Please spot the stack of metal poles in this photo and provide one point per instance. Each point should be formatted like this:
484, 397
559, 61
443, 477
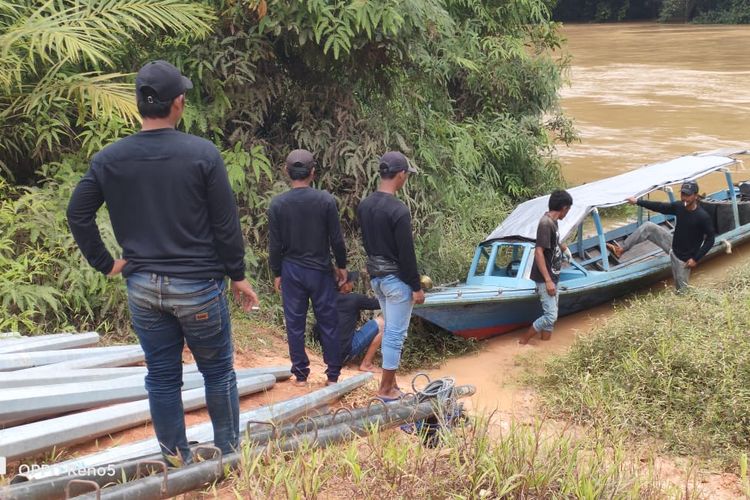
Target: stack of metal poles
438, 400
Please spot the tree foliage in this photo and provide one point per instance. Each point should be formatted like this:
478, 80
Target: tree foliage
44, 285
466, 88
63, 69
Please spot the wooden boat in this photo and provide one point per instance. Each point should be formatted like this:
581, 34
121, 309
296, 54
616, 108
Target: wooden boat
498, 296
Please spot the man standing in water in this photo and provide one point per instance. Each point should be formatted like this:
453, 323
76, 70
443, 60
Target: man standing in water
385, 222
174, 214
693, 233
548, 255
303, 224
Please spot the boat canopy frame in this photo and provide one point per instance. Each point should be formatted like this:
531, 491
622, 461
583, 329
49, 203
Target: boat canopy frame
522, 222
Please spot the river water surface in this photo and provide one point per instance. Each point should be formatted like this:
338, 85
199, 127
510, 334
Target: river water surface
641, 93
638, 94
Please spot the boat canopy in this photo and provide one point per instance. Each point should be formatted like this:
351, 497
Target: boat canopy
522, 222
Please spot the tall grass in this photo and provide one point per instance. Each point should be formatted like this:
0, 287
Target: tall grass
475, 461
671, 367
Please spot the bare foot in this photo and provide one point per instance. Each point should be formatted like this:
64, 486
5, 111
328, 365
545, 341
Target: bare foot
369, 368
300, 383
331, 382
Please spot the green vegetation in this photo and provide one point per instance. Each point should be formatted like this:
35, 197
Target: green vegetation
44, 286
62, 72
666, 367
466, 89
475, 461
699, 11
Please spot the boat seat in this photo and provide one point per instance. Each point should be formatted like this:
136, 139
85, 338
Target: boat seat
641, 250
590, 260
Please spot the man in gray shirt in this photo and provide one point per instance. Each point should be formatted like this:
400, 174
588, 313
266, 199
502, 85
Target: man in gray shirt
548, 255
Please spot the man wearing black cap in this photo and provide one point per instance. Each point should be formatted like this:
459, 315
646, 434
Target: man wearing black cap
303, 225
174, 215
385, 223
693, 233
356, 342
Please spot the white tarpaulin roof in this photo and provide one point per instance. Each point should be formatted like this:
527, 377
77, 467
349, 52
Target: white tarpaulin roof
522, 222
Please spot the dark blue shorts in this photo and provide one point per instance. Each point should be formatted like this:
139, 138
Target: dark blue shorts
362, 339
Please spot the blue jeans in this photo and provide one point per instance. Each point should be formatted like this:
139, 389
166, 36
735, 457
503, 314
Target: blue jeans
167, 312
362, 339
546, 322
299, 286
396, 303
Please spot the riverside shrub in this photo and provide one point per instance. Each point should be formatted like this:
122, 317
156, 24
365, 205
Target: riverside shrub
668, 367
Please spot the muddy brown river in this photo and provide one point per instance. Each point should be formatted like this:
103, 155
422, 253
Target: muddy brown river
638, 93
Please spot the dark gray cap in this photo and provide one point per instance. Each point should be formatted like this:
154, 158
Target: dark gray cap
393, 162
161, 79
300, 158
689, 187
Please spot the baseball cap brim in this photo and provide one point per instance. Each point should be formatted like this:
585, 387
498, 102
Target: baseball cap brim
186, 82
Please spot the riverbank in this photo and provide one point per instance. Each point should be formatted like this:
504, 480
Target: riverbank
513, 447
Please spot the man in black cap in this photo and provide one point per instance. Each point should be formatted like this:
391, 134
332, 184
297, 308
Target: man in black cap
693, 233
385, 222
174, 215
303, 225
357, 341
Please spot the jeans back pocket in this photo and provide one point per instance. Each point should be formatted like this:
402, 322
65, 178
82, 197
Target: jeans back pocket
201, 321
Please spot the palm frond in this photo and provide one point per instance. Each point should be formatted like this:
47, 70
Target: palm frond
8, 8
53, 33
11, 71
78, 30
97, 94
175, 16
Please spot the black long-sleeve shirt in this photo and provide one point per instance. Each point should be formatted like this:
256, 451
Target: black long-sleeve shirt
303, 223
385, 223
693, 233
348, 306
170, 203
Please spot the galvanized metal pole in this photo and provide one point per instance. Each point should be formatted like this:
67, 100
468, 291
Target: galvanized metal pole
28, 404
27, 440
34, 403
130, 356
48, 342
194, 476
202, 433
19, 378
20, 360
382, 415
